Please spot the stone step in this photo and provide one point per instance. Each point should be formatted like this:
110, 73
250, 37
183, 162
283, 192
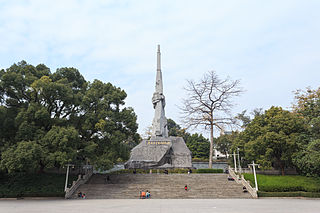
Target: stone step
162, 186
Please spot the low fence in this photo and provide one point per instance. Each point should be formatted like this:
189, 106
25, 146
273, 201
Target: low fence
81, 180
244, 182
288, 171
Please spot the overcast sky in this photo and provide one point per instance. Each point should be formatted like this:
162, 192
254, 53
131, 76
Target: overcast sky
273, 47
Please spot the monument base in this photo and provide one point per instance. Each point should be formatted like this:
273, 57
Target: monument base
160, 152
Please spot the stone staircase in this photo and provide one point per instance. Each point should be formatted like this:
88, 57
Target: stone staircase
161, 186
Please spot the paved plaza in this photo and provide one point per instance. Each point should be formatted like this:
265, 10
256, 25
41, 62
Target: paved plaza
162, 206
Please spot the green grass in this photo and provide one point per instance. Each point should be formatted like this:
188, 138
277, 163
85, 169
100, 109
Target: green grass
286, 186
33, 185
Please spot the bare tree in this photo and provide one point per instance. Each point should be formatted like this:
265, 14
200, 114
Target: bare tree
208, 104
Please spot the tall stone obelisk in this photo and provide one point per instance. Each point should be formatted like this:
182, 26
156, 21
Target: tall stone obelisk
159, 124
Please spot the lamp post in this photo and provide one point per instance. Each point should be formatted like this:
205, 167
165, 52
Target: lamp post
235, 161
254, 174
67, 176
239, 162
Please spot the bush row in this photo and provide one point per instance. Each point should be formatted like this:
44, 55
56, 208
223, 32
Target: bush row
288, 194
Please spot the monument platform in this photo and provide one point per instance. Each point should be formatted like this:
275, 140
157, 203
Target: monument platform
160, 152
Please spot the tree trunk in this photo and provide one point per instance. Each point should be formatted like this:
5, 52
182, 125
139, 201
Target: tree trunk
282, 169
41, 169
211, 146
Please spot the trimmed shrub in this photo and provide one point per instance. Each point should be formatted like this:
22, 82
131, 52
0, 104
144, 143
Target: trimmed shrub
209, 171
288, 194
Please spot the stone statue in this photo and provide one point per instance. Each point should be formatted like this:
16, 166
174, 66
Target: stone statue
159, 124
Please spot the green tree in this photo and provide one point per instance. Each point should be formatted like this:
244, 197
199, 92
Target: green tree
62, 118
173, 128
307, 106
199, 146
271, 138
23, 156
225, 142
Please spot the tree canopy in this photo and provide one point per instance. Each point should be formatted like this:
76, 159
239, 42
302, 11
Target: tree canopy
307, 106
50, 119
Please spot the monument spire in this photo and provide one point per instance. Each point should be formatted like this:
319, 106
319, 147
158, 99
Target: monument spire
159, 85
159, 124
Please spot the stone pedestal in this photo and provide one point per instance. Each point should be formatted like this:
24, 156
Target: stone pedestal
160, 152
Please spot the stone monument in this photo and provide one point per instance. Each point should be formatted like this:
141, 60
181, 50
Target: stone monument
160, 151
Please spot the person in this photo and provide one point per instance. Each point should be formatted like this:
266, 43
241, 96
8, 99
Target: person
107, 179
148, 194
186, 187
134, 171
244, 189
189, 171
230, 178
166, 171
80, 195
142, 195
83, 196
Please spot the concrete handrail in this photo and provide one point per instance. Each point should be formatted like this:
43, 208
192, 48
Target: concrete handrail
244, 182
234, 175
251, 190
78, 182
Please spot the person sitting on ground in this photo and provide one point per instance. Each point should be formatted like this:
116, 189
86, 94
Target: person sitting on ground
148, 194
83, 196
142, 195
230, 178
244, 189
80, 195
186, 187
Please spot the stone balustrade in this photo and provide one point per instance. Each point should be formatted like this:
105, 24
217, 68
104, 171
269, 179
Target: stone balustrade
76, 184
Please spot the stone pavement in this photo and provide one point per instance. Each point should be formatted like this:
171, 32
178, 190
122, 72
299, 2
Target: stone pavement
162, 186
161, 206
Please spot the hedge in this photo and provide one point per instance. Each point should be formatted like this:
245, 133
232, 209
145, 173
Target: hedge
288, 194
209, 171
33, 185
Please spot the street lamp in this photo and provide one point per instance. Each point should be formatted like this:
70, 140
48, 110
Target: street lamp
67, 175
239, 161
235, 161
